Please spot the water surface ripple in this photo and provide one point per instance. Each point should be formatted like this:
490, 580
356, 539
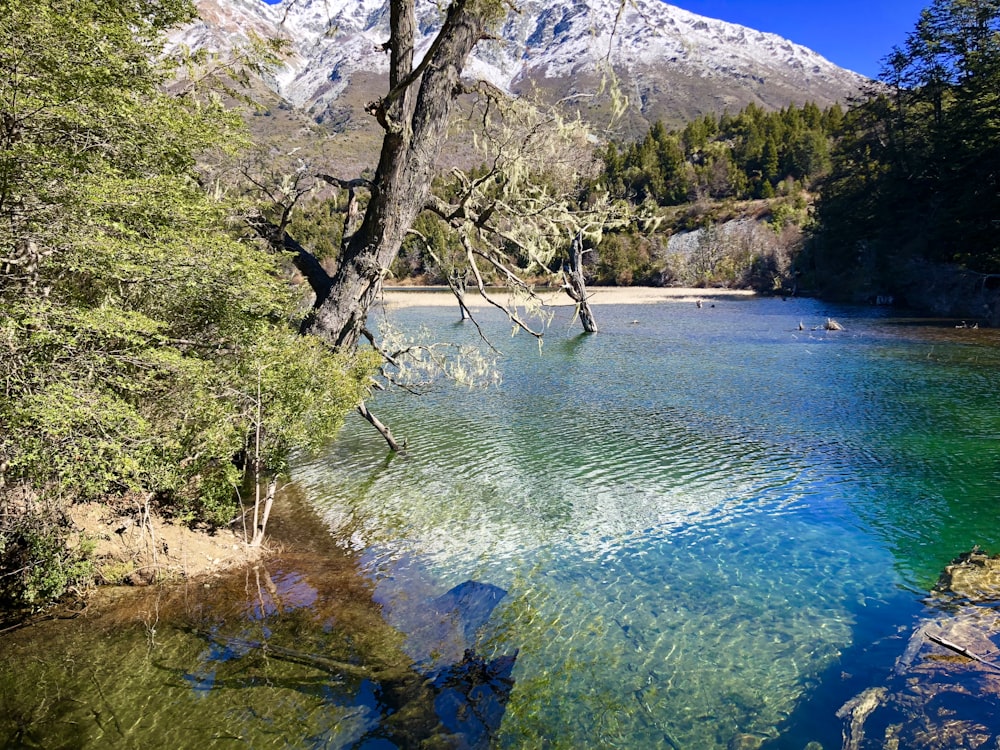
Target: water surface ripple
712, 526
696, 512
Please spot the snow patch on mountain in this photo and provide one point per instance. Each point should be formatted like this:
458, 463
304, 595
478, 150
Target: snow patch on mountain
330, 40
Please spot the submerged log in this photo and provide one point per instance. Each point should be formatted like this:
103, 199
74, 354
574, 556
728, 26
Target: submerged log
944, 692
455, 703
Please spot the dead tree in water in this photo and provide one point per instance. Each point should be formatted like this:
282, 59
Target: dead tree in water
575, 286
511, 216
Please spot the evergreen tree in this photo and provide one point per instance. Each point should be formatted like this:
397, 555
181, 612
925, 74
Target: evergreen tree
724, 157
917, 173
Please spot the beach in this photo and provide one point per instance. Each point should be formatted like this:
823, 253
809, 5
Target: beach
397, 297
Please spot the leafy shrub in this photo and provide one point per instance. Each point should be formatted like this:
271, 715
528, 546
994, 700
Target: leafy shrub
37, 563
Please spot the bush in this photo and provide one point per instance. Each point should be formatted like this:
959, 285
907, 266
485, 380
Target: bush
39, 565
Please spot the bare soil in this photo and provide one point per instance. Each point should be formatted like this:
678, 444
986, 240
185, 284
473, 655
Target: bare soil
131, 548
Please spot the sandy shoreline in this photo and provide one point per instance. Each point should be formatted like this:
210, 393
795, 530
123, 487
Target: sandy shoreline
606, 295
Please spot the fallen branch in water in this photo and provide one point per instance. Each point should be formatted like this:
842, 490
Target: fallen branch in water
333, 667
962, 650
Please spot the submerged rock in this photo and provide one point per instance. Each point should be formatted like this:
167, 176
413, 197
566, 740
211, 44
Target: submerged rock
944, 691
745, 742
470, 698
974, 576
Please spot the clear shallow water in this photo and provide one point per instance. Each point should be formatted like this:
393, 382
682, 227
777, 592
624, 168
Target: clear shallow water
698, 514
713, 529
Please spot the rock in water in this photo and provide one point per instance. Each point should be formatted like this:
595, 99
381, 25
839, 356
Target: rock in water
944, 692
973, 575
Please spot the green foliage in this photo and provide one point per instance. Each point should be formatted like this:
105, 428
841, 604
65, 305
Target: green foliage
142, 342
431, 252
627, 258
297, 392
37, 563
743, 156
915, 171
319, 226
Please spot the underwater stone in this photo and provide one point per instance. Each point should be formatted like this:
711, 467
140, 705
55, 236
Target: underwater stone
973, 575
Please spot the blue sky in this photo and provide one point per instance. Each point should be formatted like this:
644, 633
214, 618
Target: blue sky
854, 34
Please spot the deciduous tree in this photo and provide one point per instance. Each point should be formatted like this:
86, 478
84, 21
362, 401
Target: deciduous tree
133, 323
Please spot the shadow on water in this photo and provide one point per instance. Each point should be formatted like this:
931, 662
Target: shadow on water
867, 662
294, 651
572, 344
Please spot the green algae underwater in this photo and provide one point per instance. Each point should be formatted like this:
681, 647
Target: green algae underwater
701, 528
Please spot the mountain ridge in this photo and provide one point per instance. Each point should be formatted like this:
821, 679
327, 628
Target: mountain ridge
672, 64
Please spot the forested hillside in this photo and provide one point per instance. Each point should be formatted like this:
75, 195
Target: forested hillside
906, 176
752, 154
720, 202
916, 169
840, 201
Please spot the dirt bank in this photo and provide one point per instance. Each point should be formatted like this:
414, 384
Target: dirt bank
131, 548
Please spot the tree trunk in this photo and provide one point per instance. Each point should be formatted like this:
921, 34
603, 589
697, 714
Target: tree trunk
261, 525
458, 286
576, 287
415, 134
384, 431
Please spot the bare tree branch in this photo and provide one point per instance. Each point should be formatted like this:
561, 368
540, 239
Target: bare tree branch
507, 309
384, 431
575, 286
390, 358
306, 263
460, 296
354, 184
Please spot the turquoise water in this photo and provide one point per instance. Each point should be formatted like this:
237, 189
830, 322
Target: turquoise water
712, 529
712, 526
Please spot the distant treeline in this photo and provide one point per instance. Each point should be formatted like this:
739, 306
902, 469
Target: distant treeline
907, 174
916, 168
753, 154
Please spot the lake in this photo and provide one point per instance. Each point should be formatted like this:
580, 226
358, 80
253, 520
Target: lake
700, 528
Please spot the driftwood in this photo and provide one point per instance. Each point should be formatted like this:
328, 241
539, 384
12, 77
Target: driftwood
333, 667
961, 650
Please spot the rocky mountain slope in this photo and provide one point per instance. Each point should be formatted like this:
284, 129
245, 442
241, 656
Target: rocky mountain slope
672, 64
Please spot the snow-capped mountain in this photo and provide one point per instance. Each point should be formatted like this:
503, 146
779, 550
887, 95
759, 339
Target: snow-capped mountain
672, 64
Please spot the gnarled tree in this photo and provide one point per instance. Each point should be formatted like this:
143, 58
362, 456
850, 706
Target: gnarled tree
415, 115
520, 213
